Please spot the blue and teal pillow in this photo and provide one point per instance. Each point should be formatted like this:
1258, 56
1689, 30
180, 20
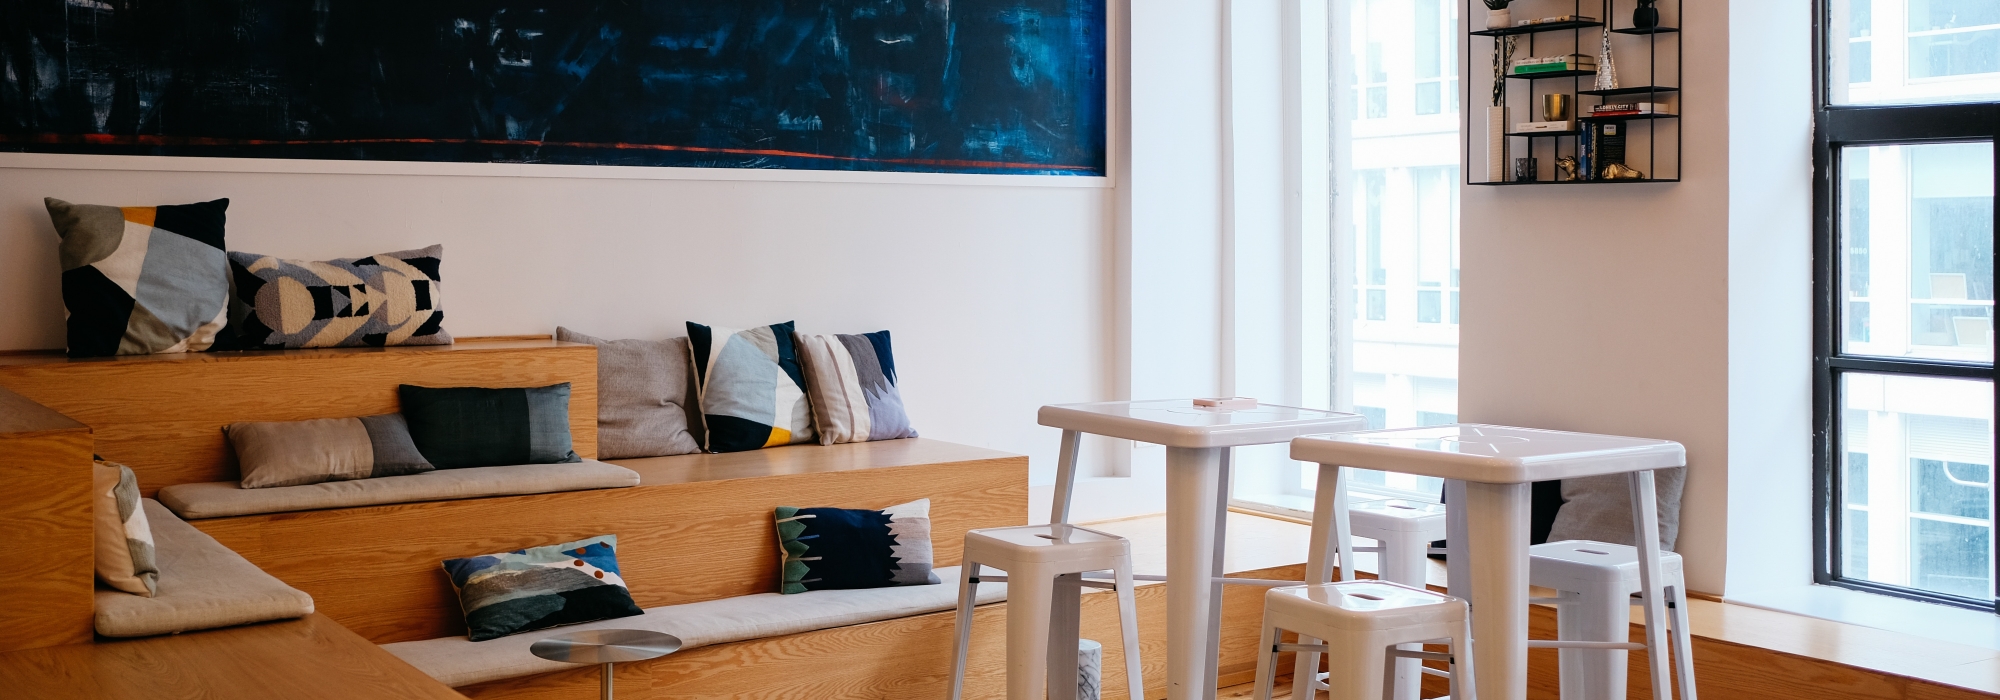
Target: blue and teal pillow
752, 389
541, 587
822, 549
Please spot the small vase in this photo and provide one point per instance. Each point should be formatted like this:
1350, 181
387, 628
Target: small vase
1499, 19
1647, 16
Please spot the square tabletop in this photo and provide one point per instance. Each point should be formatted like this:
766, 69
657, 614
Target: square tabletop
1493, 454
1180, 423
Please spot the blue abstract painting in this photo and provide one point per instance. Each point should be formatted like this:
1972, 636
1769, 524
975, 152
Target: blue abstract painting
952, 86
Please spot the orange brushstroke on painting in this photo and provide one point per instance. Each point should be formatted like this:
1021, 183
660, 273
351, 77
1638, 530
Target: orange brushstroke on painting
157, 140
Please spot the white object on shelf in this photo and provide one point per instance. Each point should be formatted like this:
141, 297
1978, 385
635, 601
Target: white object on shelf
1532, 127
1234, 403
1496, 144
1499, 19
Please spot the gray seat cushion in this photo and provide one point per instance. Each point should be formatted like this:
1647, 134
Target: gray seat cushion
224, 498
457, 662
203, 585
1599, 508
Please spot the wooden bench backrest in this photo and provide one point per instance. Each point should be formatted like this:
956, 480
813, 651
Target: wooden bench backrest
163, 414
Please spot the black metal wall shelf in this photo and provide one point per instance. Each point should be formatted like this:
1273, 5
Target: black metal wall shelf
1625, 118
1650, 56
1638, 181
1537, 28
1641, 90
1552, 74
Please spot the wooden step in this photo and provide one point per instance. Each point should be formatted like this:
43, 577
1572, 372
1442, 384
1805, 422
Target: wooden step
46, 515
163, 414
311, 658
697, 528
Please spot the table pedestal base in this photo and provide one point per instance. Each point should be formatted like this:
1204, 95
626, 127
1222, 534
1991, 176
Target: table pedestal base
1195, 500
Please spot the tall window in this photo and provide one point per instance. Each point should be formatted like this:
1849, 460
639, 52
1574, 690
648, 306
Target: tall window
1390, 235
1905, 220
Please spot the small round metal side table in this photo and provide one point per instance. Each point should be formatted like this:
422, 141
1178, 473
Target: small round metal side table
606, 647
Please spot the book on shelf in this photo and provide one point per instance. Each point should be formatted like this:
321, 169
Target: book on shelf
1534, 127
1534, 68
1554, 20
1629, 109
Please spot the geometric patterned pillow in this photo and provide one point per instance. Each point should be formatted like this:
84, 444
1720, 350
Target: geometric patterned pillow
822, 549
387, 299
541, 587
753, 392
851, 380
124, 539
142, 280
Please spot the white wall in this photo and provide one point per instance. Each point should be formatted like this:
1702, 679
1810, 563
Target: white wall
996, 295
1678, 311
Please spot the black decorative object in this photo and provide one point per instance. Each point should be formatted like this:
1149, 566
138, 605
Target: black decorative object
1646, 16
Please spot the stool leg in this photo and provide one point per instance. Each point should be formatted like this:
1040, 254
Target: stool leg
1402, 561
1267, 660
1683, 639
1359, 667
1065, 477
1331, 538
1214, 636
1603, 615
1461, 663
1065, 630
968, 595
1128, 627
1646, 526
1029, 595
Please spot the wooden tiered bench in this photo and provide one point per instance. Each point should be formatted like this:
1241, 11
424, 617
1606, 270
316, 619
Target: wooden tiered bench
696, 528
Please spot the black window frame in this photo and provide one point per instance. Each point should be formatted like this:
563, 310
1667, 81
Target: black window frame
1836, 127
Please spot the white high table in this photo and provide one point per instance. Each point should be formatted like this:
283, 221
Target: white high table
1489, 471
1198, 441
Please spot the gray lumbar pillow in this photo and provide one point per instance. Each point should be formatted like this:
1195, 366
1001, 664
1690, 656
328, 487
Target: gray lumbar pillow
641, 386
1599, 508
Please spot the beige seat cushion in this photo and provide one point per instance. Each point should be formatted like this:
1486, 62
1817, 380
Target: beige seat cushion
225, 498
457, 662
203, 585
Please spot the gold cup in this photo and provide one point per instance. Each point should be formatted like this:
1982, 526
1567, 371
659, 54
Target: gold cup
1555, 107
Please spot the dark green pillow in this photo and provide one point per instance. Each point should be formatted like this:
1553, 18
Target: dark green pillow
463, 427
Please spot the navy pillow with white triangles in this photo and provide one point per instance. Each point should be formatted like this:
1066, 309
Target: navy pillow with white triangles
825, 549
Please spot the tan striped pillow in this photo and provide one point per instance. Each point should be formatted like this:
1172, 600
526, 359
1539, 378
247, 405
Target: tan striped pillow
124, 539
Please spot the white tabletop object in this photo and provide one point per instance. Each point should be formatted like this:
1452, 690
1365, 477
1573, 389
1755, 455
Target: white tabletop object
1490, 454
1198, 441
1180, 423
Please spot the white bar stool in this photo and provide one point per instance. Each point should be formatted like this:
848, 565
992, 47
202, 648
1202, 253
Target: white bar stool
1033, 557
1489, 472
1596, 581
1404, 531
1199, 440
1361, 623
